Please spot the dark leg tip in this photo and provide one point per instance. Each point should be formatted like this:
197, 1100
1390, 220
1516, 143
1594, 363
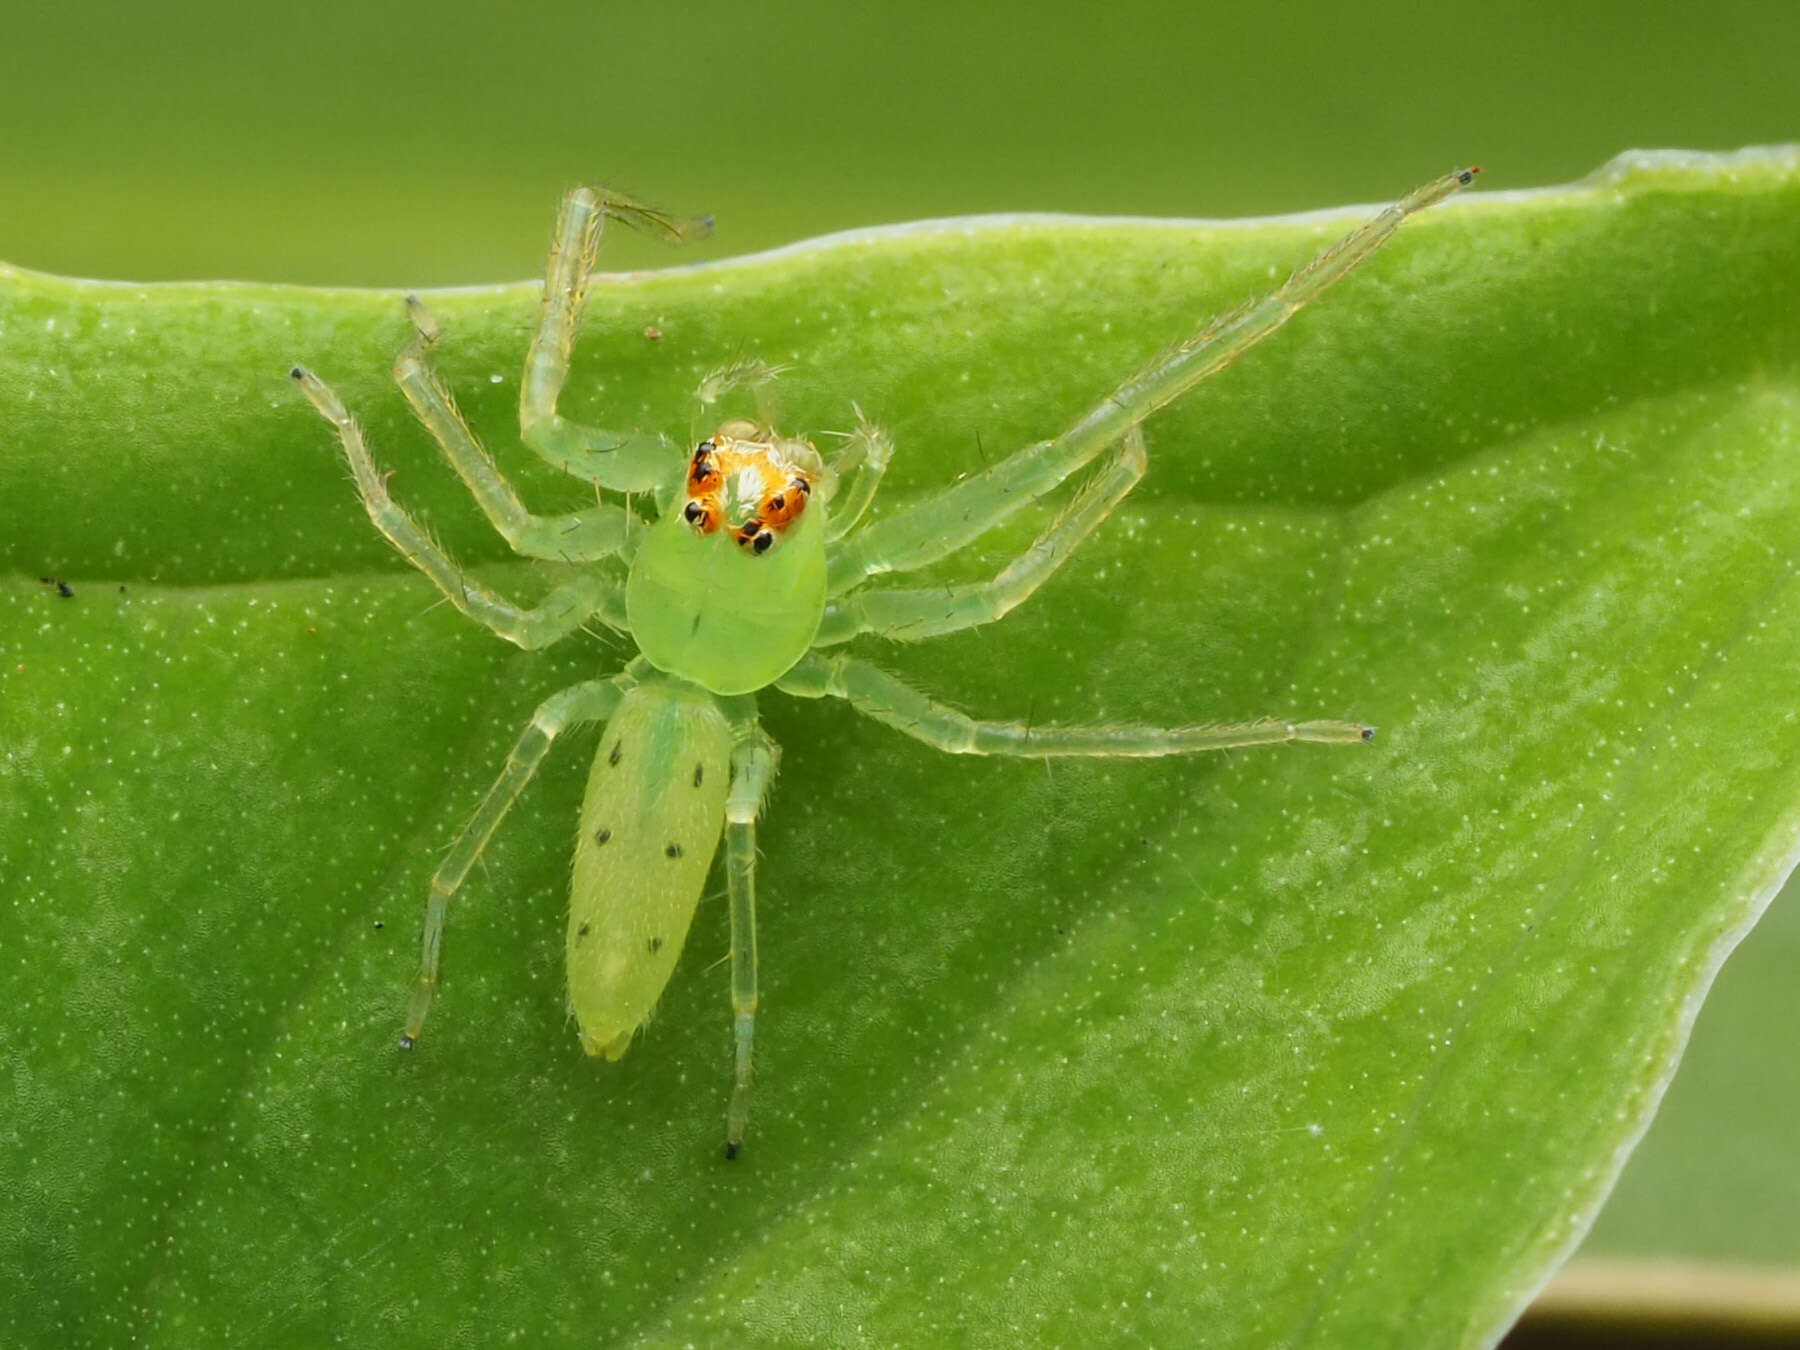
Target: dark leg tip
406, 1041
1368, 734
731, 1148
297, 373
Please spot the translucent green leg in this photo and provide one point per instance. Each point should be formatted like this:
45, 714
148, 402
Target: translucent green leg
941, 524
911, 615
865, 459
753, 757
589, 702
557, 615
626, 461
580, 536
875, 693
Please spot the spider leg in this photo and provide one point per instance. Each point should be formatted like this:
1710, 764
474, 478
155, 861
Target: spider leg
865, 457
580, 536
875, 693
557, 615
592, 701
625, 461
912, 615
944, 522
753, 757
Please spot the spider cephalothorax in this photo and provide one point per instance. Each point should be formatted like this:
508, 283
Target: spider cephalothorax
745, 473
759, 578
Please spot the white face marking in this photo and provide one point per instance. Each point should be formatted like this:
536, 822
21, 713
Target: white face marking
746, 488
752, 471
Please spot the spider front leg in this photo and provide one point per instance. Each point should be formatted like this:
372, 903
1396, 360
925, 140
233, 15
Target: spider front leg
943, 523
753, 757
557, 615
864, 459
875, 693
913, 615
592, 701
625, 461
580, 536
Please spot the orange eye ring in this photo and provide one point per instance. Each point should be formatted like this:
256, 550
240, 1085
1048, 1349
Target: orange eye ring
783, 508
703, 514
704, 476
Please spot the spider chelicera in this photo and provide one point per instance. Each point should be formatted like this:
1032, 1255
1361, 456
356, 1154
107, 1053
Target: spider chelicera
752, 576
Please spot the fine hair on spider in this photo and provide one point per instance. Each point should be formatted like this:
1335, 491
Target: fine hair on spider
755, 575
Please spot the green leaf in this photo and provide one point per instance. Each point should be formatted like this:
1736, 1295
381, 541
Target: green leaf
1300, 1047
1716, 1181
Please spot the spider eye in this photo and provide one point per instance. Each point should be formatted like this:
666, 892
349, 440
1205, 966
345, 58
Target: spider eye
693, 513
762, 542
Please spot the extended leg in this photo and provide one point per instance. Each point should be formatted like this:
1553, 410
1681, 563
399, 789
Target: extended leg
752, 766
911, 615
557, 615
580, 536
589, 702
627, 461
941, 524
875, 693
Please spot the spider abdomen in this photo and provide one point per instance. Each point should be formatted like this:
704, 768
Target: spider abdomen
650, 824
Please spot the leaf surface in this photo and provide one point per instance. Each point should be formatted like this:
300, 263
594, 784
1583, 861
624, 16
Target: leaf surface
1299, 1047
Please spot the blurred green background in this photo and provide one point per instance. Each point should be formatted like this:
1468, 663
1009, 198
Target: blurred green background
339, 143
357, 144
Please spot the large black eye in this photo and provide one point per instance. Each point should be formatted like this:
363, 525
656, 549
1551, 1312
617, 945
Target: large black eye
693, 513
762, 542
